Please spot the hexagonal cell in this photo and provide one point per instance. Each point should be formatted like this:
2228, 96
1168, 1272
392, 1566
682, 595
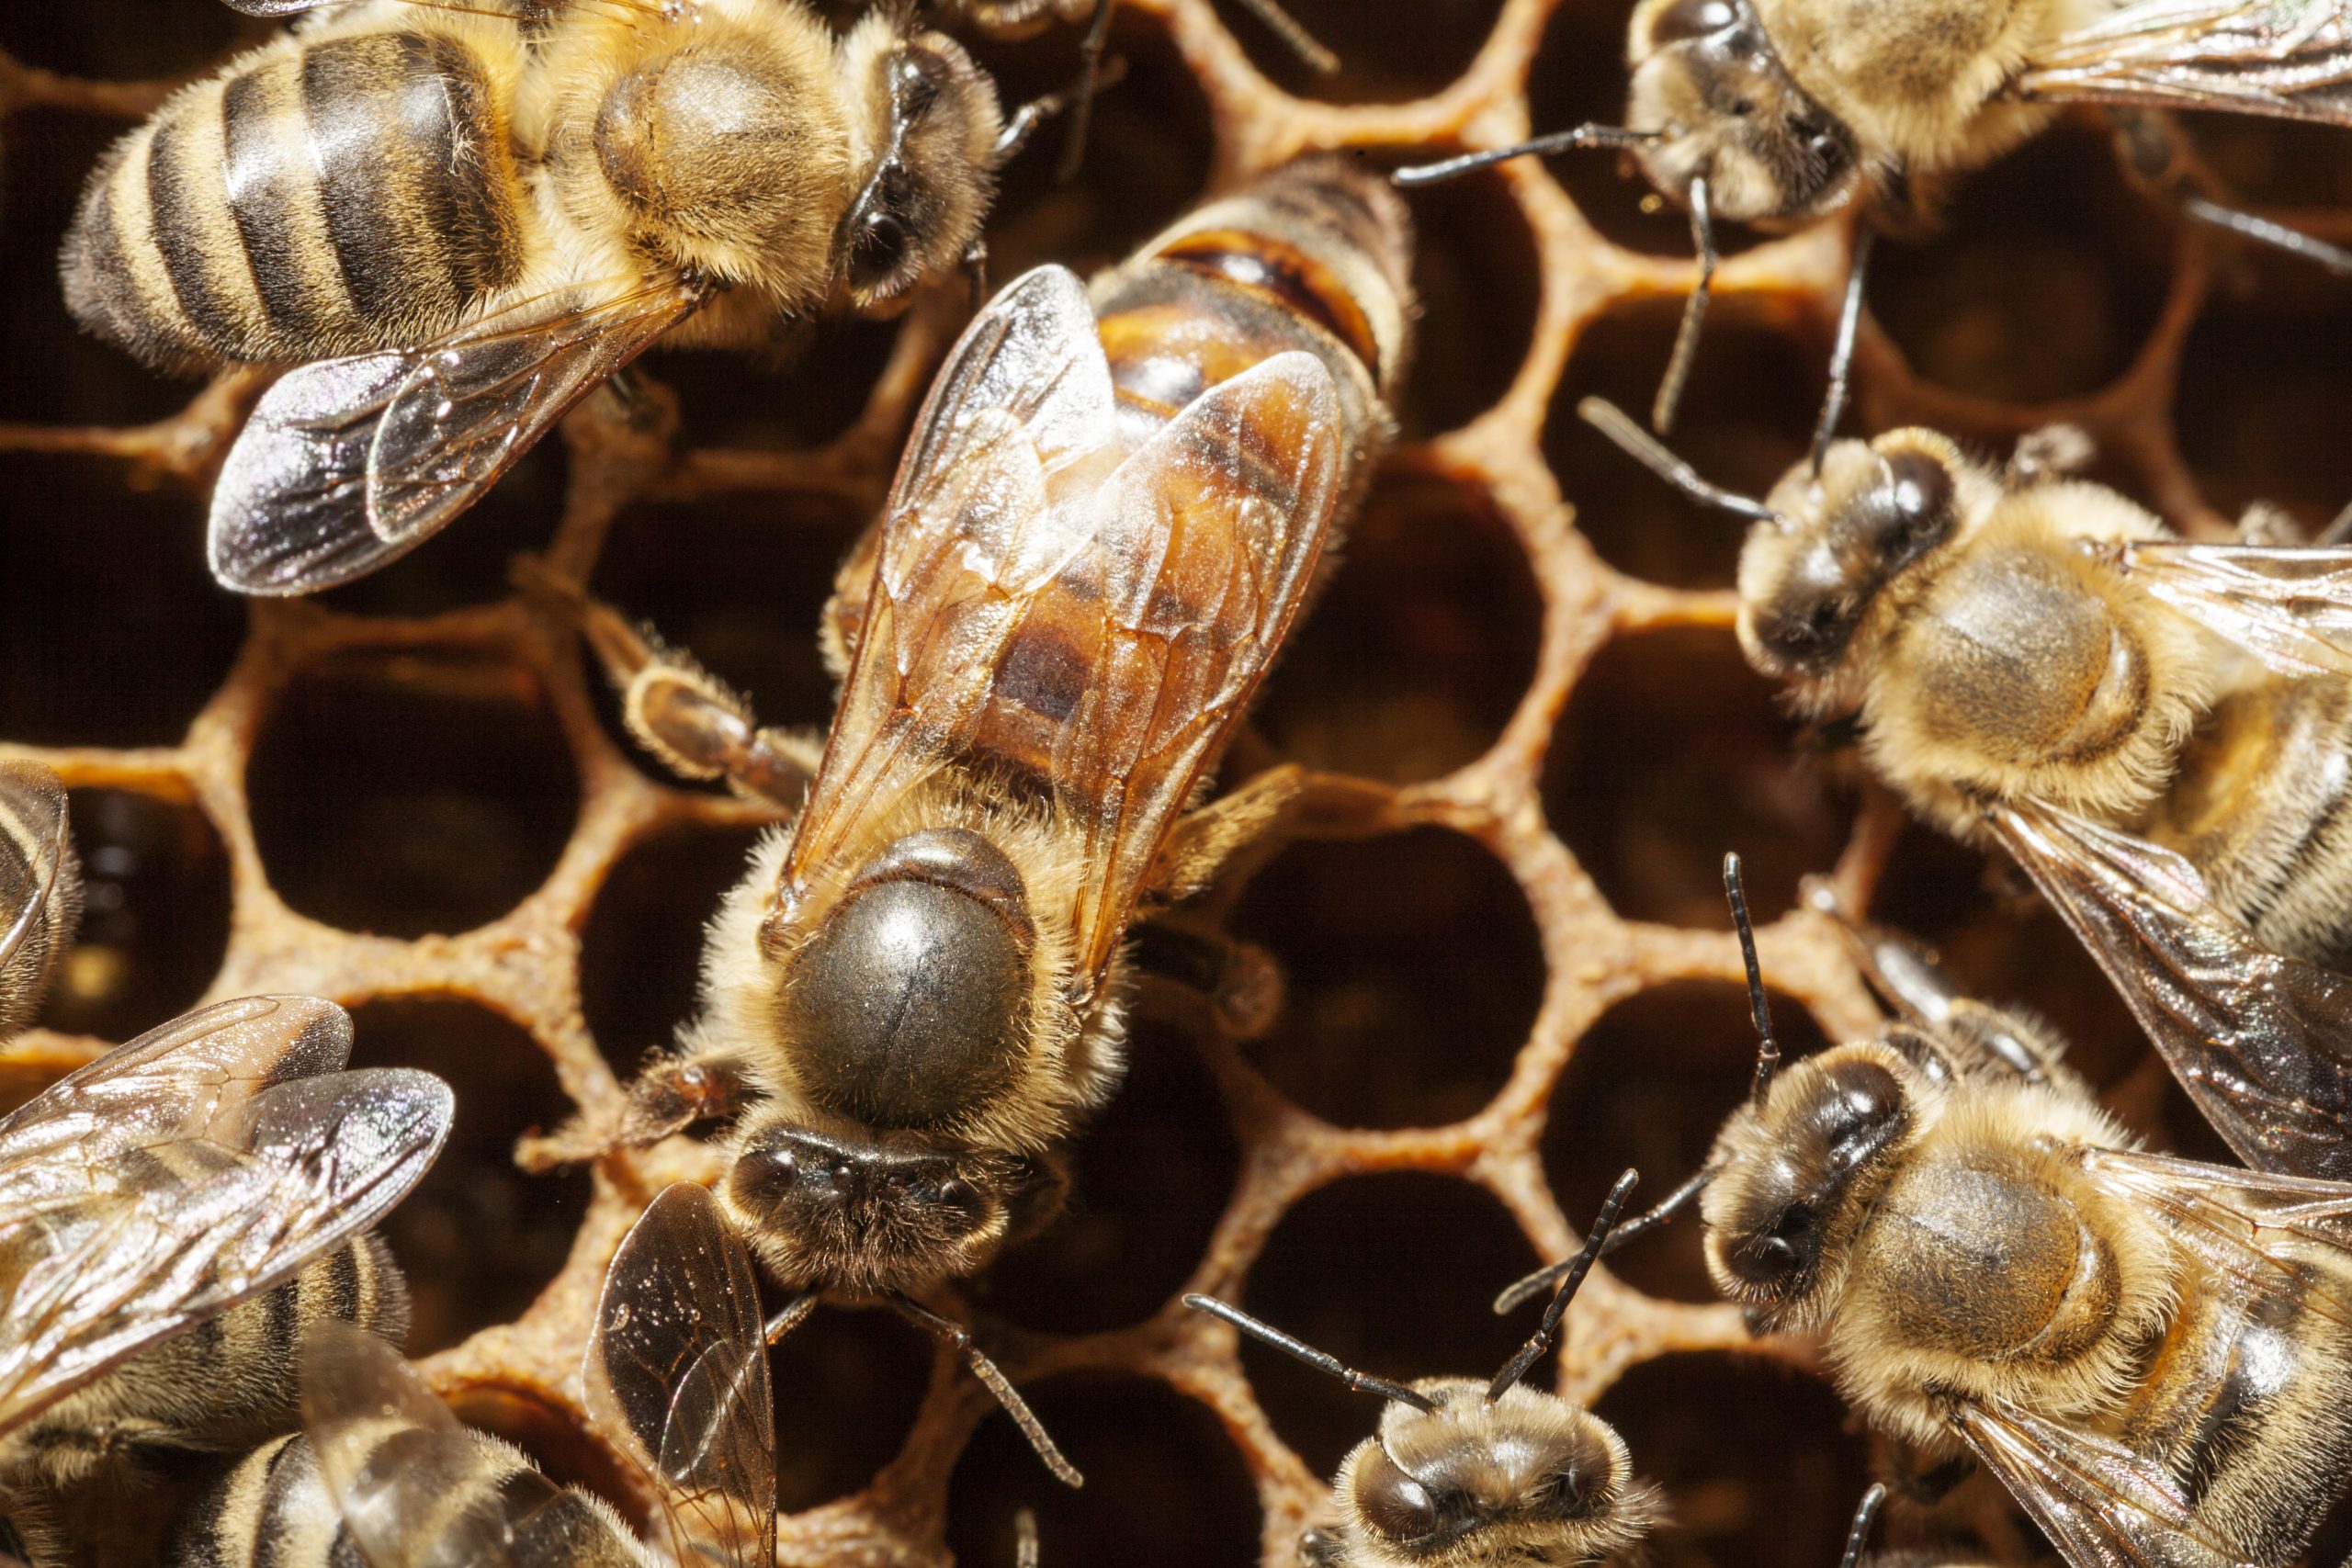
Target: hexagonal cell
478, 1239
1758, 1458
1165, 1488
1748, 413
154, 915
1672, 752
1370, 1269
1478, 277
643, 943
1649, 1088
1386, 945
467, 563
2257, 386
847, 1387
411, 794
1388, 55
811, 388
2049, 246
1150, 1174
1418, 649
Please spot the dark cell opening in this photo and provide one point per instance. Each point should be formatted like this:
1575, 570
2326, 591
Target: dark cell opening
1478, 276
467, 562
478, 1238
847, 1387
643, 942
1388, 55
1412, 970
154, 915
1672, 752
2257, 391
411, 794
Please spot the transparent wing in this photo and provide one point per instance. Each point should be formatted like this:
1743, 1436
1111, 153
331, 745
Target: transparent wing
2291, 608
2287, 58
650, 10
677, 1360
202, 1163
2261, 1042
35, 851
350, 463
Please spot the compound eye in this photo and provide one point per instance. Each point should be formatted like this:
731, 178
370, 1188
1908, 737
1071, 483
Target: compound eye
957, 1196
1768, 1261
1866, 1103
881, 245
917, 78
1689, 19
1392, 1503
1910, 508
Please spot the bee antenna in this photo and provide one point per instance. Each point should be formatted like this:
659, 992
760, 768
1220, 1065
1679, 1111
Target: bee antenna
1768, 1049
1578, 1267
1865, 1515
1694, 311
958, 1338
1537, 147
1650, 453
1841, 355
1547, 1278
1267, 1334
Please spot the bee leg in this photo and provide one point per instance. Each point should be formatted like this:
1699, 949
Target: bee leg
1081, 92
2050, 452
672, 1092
1256, 819
1240, 979
958, 1339
1318, 1547
695, 723
2262, 523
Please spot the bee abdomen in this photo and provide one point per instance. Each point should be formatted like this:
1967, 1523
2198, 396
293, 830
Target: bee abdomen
353, 194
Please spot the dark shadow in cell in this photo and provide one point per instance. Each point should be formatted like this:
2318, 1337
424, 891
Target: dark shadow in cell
125, 40
1413, 973
1757, 1459
154, 915
555, 1442
467, 563
1649, 1086
1755, 392
1479, 279
1671, 752
1419, 646
2257, 403
847, 1387
799, 392
478, 1239
1371, 1270
1388, 55
639, 950
2049, 246
1165, 1488
1151, 1174
429, 793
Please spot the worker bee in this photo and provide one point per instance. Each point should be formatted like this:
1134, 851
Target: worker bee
2156, 730
1105, 524
172, 1214
41, 889
467, 216
1465, 1472
675, 1376
1781, 112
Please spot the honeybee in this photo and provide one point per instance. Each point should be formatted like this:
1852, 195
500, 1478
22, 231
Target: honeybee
1104, 523
41, 889
383, 1473
468, 214
1781, 112
172, 1215
1465, 1472
2156, 730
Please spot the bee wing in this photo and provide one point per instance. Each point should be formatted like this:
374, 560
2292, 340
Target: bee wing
202, 1163
678, 1360
650, 10
2289, 608
2102, 1505
1099, 631
348, 464
34, 851
394, 1458
2261, 1042
2288, 58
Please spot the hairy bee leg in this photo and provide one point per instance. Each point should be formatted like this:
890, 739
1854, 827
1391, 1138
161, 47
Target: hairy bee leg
2050, 452
793, 1314
1258, 817
2266, 525
695, 723
671, 1094
1082, 91
958, 1338
1241, 981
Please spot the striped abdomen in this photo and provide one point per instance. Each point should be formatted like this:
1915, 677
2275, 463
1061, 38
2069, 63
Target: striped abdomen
315, 199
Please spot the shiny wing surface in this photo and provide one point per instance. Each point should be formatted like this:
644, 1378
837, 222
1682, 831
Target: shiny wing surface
2291, 608
2286, 57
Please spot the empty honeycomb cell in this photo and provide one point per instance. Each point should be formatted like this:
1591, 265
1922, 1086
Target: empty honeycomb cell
2257, 394
1394, 1274
426, 793
2050, 246
154, 915
2273, 164
1412, 972
809, 392
1151, 1174
1164, 1488
1386, 53
1673, 751
478, 1238
639, 951
1417, 651
847, 1387
1648, 1088
1477, 280
1757, 1458
467, 563
1755, 392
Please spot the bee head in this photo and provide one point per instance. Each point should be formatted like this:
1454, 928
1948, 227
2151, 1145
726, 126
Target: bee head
1706, 79
1795, 1171
1809, 575
1526, 1476
926, 124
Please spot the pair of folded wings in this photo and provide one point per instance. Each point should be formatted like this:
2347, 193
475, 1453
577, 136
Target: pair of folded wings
2286, 57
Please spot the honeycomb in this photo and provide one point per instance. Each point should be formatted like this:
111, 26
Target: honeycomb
1509, 971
